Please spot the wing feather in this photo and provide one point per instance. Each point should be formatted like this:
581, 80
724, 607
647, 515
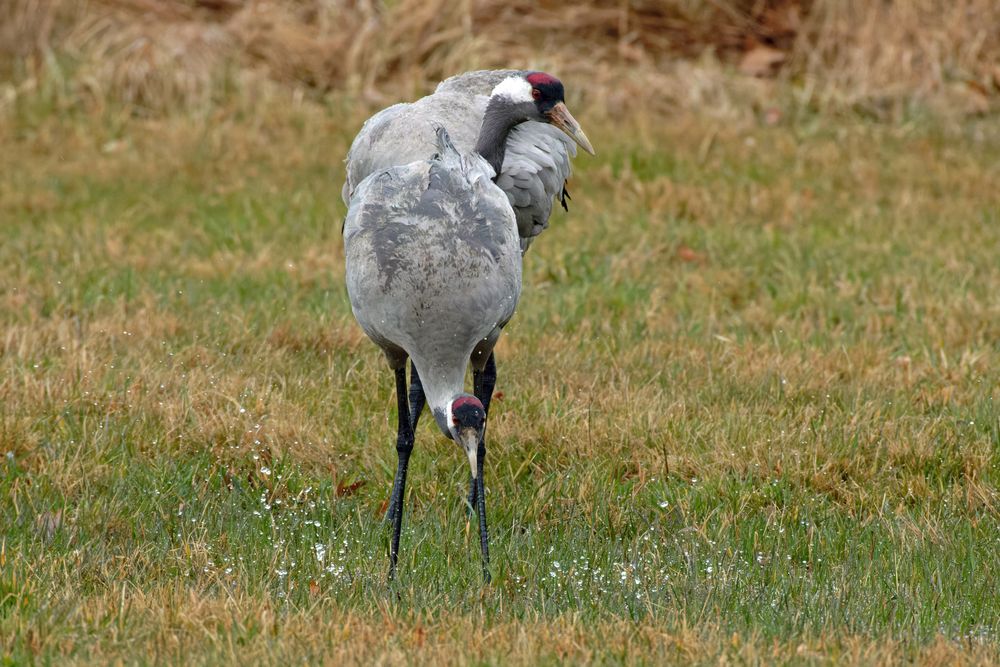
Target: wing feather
535, 169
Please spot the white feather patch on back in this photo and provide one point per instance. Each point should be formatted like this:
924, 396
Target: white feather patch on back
516, 88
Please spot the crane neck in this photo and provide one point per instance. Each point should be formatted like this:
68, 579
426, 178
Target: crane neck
500, 118
441, 380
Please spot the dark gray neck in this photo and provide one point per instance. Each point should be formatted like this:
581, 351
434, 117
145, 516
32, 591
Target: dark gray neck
500, 118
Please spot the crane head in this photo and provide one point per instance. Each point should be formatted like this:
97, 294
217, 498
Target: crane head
467, 423
541, 97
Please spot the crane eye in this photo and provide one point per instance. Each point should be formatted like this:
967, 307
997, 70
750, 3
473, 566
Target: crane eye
535, 93
454, 420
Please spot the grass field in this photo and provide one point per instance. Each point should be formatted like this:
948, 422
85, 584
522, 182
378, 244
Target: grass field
749, 404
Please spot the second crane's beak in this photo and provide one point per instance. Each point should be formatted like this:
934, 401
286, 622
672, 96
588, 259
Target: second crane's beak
563, 119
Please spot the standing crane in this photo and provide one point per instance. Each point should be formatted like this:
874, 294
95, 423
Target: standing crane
433, 261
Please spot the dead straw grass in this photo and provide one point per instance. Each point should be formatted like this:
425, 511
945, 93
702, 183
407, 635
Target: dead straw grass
240, 629
157, 56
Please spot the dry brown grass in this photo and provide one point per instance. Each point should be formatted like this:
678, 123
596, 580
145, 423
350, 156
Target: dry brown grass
240, 629
877, 53
156, 56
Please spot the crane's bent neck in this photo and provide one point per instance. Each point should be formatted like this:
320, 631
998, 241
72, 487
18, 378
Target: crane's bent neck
442, 382
502, 115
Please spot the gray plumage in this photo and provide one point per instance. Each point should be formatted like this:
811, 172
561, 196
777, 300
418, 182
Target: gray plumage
535, 167
433, 266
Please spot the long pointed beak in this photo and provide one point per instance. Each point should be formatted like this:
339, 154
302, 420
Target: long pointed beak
470, 443
563, 119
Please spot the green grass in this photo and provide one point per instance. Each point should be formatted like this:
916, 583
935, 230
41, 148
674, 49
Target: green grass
749, 404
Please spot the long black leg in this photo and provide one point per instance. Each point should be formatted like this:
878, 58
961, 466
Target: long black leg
417, 401
404, 445
417, 398
487, 380
484, 539
483, 383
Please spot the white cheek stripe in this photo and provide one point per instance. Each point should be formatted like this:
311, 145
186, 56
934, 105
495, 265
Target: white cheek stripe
516, 88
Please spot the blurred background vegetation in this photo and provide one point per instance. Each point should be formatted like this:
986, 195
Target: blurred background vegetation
880, 58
